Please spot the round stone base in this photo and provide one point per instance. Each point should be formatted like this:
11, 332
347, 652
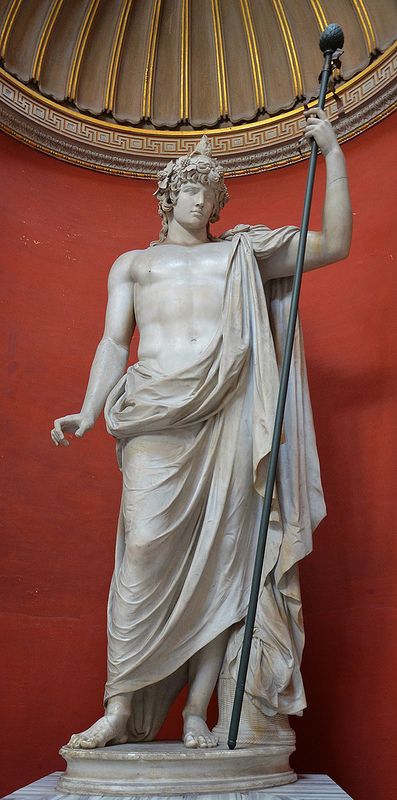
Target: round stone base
169, 768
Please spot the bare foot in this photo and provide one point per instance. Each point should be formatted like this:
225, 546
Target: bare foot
196, 733
109, 729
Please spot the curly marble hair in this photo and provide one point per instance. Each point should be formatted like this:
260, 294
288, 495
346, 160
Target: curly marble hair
199, 167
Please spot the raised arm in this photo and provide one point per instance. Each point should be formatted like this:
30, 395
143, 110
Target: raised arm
332, 243
111, 354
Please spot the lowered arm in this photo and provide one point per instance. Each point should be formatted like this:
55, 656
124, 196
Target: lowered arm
111, 355
112, 352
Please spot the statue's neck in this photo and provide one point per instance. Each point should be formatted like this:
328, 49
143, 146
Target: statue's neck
177, 234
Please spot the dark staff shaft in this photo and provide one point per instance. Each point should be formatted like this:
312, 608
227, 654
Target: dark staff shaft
271, 475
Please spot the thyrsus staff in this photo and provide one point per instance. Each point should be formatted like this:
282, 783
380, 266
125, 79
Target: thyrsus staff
331, 41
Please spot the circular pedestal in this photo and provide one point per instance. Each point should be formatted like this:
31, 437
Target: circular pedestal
168, 768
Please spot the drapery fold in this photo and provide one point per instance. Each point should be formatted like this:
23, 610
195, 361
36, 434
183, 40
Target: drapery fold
194, 449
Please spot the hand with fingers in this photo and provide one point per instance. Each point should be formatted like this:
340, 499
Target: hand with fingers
77, 424
318, 127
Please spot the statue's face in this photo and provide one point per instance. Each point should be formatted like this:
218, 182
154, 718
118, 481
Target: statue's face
194, 205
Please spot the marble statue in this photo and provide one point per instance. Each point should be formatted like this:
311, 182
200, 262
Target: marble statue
193, 423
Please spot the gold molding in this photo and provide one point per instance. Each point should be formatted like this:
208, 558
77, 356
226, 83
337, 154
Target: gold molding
344, 138
114, 64
7, 25
319, 14
369, 25
290, 47
220, 60
44, 38
340, 90
71, 89
366, 24
254, 55
184, 68
65, 157
234, 173
150, 59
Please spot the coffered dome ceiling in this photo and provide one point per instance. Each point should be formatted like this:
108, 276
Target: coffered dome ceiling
121, 85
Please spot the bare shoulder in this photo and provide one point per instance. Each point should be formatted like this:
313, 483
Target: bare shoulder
123, 269
224, 244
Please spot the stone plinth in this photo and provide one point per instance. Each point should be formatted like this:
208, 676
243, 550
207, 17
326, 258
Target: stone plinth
168, 768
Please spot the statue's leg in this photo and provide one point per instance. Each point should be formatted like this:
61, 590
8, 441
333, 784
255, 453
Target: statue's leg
112, 727
204, 668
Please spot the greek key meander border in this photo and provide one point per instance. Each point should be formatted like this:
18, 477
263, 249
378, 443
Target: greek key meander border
64, 134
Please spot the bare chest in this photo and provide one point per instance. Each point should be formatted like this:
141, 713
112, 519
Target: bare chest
183, 267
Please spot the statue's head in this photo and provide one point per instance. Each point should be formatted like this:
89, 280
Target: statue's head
198, 167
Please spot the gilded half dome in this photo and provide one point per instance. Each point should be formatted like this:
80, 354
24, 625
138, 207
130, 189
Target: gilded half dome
123, 84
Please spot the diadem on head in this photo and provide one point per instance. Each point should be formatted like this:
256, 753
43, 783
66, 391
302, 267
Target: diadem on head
198, 166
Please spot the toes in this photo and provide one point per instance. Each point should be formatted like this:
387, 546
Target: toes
86, 744
190, 740
200, 740
98, 741
207, 741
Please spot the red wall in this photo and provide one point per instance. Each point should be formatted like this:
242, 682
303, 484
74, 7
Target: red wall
63, 228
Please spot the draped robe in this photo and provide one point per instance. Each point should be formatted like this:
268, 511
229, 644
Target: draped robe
193, 448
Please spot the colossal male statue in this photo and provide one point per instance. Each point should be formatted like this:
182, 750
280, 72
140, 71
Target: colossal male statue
193, 422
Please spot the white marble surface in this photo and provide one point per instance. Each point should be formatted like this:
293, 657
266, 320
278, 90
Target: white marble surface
169, 768
308, 787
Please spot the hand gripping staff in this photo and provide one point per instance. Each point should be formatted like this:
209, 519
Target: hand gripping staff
331, 40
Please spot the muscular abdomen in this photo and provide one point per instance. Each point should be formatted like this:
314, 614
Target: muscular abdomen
178, 303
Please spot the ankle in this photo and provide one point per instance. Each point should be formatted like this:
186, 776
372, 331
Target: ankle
193, 711
117, 709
